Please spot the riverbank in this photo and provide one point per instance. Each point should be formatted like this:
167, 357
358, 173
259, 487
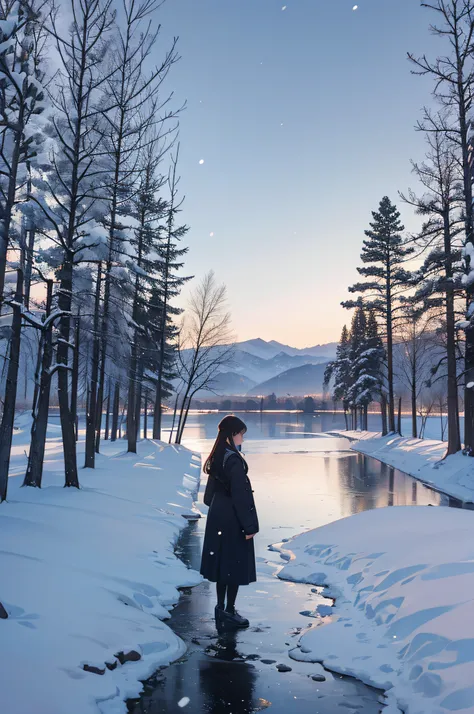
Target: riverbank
402, 579
89, 575
424, 459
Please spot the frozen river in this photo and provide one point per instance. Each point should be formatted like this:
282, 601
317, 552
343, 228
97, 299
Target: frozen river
302, 479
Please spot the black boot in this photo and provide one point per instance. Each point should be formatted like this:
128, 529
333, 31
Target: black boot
233, 617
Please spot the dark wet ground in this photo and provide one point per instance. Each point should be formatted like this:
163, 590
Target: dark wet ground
236, 673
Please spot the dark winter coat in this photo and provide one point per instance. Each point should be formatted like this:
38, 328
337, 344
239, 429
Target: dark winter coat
228, 557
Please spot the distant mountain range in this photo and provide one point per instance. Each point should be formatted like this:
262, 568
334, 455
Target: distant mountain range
268, 350
260, 367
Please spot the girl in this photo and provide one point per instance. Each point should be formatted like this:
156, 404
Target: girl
228, 557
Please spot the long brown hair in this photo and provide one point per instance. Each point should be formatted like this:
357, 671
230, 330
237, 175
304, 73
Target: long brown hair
229, 427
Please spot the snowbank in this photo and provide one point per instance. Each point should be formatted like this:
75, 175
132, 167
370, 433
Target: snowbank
403, 579
421, 458
89, 574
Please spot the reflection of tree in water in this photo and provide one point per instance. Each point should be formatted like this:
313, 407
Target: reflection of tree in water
359, 483
272, 425
226, 687
309, 423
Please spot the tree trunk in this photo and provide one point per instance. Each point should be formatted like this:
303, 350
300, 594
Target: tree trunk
183, 421
115, 415
157, 411
131, 409
414, 419
383, 412
145, 418
67, 422
464, 127
345, 419
391, 403
181, 415
107, 415
454, 436
8, 417
138, 401
399, 420
91, 414
175, 411
75, 375
124, 408
29, 266
99, 407
34, 471
10, 202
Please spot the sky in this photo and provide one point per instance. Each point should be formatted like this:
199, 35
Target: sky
304, 119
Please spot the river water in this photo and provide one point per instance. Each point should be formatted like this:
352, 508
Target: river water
303, 478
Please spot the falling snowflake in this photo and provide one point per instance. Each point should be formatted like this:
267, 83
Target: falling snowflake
219, 533
211, 235
201, 161
212, 552
283, 8
356, 7
184, 702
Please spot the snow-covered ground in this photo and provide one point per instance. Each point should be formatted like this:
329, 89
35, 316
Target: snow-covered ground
89, 574
403, 579
422, 458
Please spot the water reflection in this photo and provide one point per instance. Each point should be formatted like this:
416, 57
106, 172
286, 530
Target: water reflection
265, 425
225, 686
277, 425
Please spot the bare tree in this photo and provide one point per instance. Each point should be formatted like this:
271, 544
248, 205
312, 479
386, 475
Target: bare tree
425, 410
439, 239
413, 358
205, 343
453, 77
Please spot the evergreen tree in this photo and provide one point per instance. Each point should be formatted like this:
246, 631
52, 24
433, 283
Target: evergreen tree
384, 254
340, 372
309, 405
375, 351
358, 394
168, 287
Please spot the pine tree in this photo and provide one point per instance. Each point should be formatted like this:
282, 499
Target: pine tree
376, 358
340, 372
357, 393
384, 255
170, 284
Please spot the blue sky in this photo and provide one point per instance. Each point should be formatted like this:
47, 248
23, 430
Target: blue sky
305, 119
